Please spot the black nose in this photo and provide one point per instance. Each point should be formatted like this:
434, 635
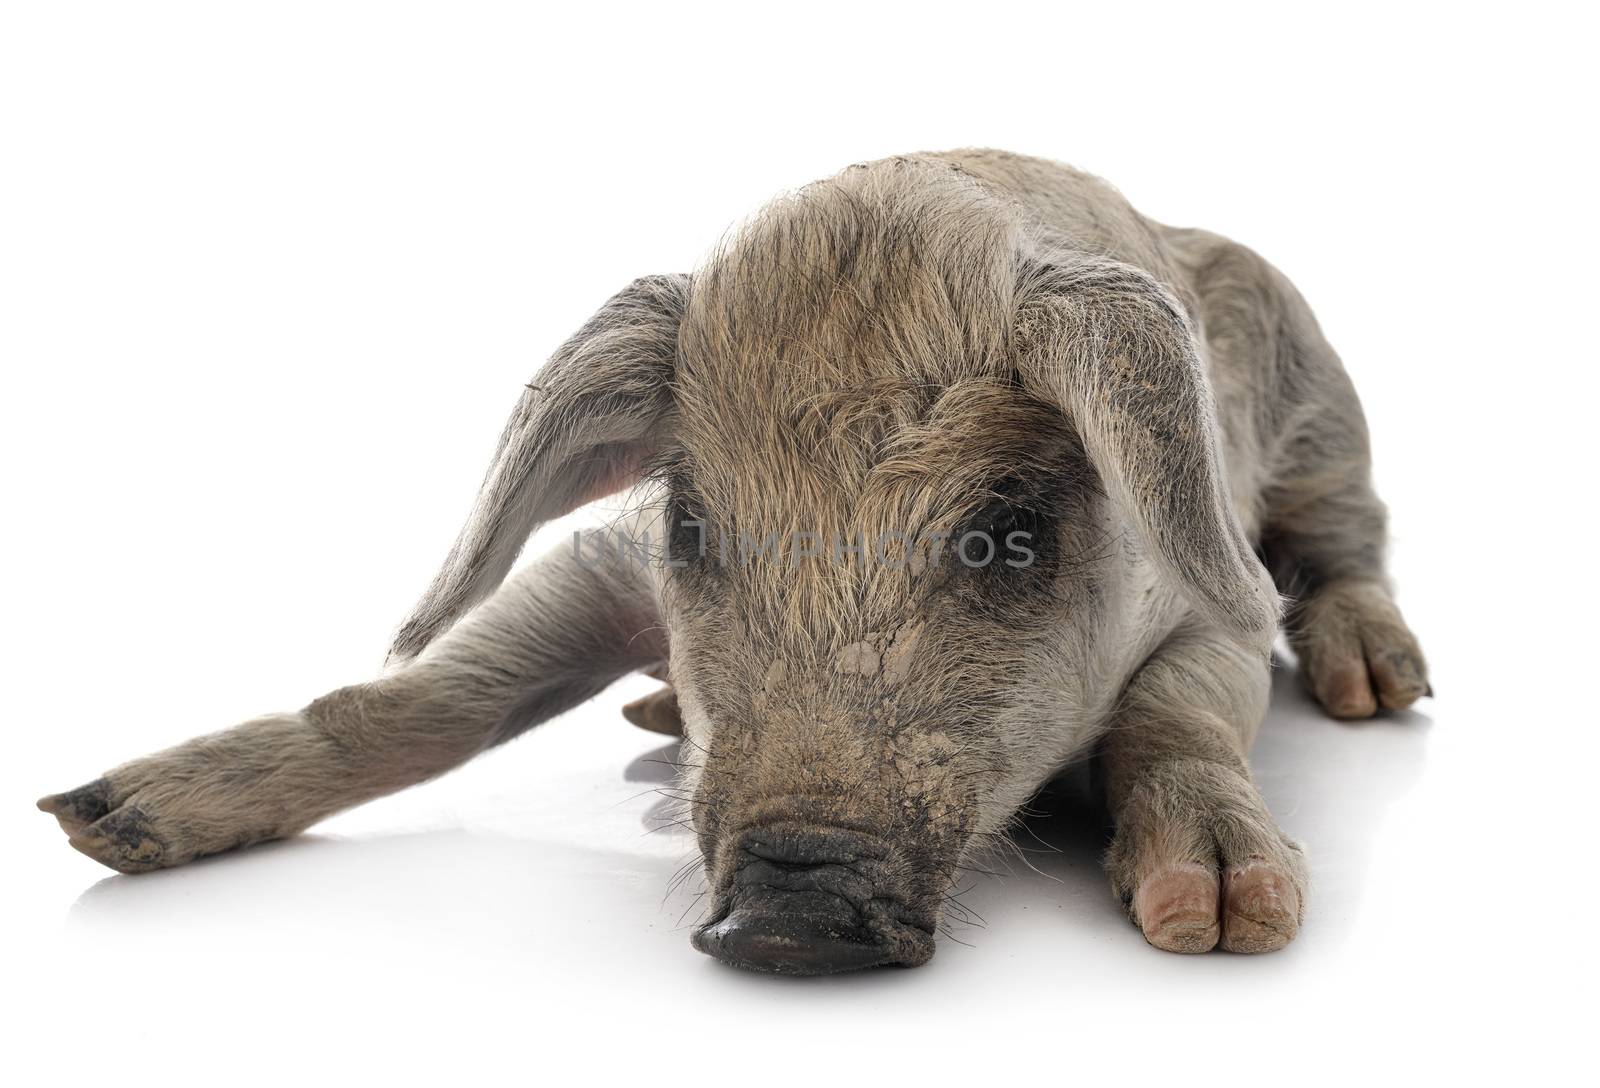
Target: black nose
803, 902
807, 942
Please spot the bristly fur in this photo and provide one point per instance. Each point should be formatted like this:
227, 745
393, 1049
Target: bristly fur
916, 346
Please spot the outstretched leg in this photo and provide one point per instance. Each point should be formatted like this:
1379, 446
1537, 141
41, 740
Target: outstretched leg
546, 641
1196, 857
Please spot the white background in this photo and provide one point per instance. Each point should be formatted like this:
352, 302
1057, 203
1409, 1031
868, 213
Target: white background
270, 278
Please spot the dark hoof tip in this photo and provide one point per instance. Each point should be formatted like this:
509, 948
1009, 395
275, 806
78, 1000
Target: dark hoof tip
658, 712
123, 841
81, 806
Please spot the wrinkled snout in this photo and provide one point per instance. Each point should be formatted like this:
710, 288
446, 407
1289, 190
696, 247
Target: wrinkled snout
804, 901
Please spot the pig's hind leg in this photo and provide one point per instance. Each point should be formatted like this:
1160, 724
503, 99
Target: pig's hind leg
658, 711
1323, 535
547, 640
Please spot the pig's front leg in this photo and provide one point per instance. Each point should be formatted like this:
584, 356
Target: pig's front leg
1197, 858
549, 639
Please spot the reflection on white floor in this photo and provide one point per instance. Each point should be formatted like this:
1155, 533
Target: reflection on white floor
547, 891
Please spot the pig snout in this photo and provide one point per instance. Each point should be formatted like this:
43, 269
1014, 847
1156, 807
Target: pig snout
813, 902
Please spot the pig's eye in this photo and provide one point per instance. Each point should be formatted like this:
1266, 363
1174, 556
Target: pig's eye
688, 532
1004, 535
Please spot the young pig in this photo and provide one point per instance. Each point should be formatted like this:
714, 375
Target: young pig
961, 470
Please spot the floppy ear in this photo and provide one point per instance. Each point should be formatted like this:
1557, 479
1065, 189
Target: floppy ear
1115, 350
584, 427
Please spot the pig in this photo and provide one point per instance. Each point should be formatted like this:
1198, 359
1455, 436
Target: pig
951, 471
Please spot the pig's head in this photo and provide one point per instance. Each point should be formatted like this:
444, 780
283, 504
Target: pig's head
915, 462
